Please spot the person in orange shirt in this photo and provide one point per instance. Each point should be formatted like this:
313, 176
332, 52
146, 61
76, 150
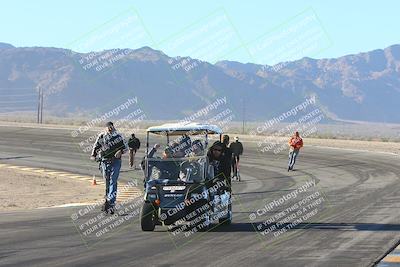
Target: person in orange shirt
295, 143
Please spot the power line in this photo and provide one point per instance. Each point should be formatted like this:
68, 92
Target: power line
19, 109
18, 95
20, 99
14, 89
17, 101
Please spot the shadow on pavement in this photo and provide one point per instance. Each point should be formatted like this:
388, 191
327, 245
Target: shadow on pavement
262, 192
251, 227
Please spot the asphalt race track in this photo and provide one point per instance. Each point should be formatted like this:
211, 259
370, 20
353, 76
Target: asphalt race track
356, 224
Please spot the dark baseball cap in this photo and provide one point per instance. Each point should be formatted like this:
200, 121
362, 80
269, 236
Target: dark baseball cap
109, 124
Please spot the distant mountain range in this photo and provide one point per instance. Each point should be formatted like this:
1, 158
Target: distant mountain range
361, 87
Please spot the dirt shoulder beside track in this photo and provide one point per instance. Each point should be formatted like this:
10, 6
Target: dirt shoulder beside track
23, 190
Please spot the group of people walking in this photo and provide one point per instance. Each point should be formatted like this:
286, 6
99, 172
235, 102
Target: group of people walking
223, 155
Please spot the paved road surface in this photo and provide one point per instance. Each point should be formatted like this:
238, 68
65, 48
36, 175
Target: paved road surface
356, 224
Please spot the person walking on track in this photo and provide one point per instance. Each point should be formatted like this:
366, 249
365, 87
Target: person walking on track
295, 143
134, 145
108, 149
237, 150
227, 158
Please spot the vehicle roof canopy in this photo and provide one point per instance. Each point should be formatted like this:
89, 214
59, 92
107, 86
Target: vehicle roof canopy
192, 128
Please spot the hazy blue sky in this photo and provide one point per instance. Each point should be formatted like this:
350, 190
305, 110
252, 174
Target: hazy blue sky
346, 26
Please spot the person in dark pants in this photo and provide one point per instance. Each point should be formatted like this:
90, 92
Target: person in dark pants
237, 150
227, 159
134, 145
109, 147
295, 143
217, 160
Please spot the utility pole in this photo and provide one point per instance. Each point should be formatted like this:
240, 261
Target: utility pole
40, 106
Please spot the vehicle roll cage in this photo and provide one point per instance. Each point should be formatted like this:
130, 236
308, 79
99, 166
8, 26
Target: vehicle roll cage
175, 129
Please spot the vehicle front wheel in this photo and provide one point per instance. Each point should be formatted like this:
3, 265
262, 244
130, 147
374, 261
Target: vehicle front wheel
226, 220
204, 223
147, 217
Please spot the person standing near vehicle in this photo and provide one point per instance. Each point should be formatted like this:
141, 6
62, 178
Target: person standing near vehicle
108, 148
237, 150
227, 158
216, 159
143, 162
134, 145
295, 143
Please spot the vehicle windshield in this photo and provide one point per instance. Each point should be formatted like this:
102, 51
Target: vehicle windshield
187, 169
177, 157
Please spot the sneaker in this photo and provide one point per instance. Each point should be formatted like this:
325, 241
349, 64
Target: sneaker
111, 210
105, 206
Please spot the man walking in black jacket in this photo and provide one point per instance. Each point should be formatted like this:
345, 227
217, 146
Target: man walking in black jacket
237, 150
134, 145
227, 159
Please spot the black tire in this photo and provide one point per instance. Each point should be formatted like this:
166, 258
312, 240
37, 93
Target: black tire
227, 221
147, 217
204, 224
